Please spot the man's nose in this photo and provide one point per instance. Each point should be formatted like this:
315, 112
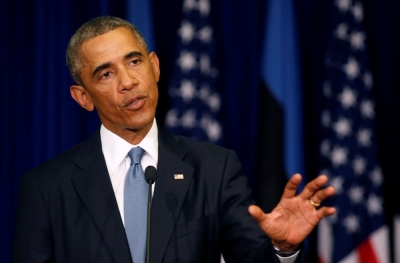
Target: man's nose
128, 79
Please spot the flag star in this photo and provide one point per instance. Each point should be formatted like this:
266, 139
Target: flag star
187, 90
339, 156
214, 131
186, 32
337, 183
352, 223
343, 5
374, 205
326, 118
188, 119
187, 61
376, 176
356, 194
357, 40
325, 147
368, 81
342, 127
171, 119
205, 34
205, 64
357, 11
364, 137
327, 88
347, 97
212, 128
204, 7
359, 165
341, 31
204, 92
189, 5
351, 68
367, 109
214, 102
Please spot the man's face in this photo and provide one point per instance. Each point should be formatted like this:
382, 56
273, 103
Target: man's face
120, 81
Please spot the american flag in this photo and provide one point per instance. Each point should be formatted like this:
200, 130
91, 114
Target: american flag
195, 100
348, 153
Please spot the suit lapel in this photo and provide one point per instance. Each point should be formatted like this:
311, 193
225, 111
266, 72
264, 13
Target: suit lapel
169, 193
94, 187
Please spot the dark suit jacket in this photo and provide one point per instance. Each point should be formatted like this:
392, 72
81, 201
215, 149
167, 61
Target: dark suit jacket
68, 212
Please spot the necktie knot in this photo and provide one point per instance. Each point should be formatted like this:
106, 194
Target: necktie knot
136, 154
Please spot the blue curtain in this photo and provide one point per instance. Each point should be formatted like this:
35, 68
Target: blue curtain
38, 117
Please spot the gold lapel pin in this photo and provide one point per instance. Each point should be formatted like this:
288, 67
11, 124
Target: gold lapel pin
179, 176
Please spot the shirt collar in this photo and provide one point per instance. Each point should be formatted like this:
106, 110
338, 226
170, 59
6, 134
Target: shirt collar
115, 149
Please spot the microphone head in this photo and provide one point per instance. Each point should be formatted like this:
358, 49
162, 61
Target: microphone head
150, 174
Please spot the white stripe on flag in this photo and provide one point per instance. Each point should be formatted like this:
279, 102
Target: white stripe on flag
380, 243
325, 241
397, 238
351, 258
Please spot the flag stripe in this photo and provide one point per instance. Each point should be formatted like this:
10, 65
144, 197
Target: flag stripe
380, 243
325, 243
397, 238
366, 252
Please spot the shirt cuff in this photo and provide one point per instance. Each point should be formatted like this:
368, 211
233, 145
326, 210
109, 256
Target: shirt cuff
290, 259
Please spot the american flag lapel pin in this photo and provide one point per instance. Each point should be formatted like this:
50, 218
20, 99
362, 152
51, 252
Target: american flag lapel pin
179, 176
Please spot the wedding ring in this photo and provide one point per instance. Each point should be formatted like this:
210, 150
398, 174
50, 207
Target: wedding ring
314, 204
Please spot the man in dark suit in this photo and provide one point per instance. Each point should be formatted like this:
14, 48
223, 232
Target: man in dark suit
72, 208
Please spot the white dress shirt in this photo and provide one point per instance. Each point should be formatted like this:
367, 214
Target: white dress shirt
115, 150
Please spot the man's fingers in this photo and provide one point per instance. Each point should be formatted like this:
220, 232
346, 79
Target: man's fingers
291, 186
256, 212
322, 194
325, 211
313, 186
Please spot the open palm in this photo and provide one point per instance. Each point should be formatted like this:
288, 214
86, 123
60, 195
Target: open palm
295, 217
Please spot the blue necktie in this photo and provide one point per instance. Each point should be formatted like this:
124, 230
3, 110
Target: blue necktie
135, 206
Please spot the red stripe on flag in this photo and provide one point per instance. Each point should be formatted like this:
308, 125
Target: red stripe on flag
366, 252
320, 260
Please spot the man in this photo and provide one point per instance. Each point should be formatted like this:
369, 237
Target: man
74, 207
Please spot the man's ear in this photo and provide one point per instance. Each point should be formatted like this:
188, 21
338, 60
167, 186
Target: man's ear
155, 63
80, 95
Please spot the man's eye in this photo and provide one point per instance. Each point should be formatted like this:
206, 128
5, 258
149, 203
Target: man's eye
106, 75
135, 61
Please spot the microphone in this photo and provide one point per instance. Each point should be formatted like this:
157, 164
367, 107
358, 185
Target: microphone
150, 175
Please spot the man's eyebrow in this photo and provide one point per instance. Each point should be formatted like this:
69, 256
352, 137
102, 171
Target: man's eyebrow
107, 64
101, 67
133, 54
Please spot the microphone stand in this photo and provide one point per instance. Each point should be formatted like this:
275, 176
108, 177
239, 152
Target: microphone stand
150, 177
148, 221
